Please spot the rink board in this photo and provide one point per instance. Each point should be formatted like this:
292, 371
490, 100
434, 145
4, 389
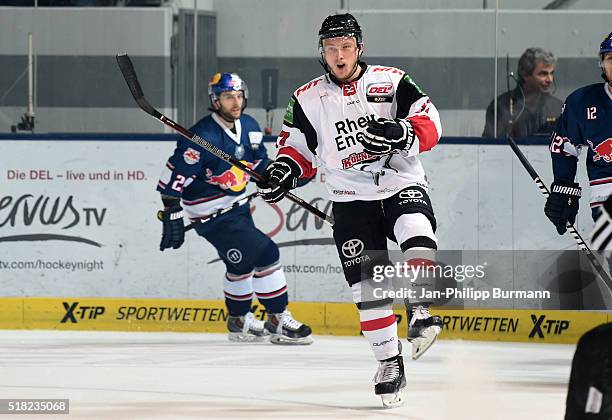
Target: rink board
111, 314
78, 218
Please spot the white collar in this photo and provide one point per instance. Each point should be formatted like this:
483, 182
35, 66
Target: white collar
230, 133
608, 89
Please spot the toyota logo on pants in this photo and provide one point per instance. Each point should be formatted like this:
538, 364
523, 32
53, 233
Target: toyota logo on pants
411, 194
352, 248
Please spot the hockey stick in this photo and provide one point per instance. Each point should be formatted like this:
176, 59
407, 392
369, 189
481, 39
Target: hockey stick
208, 218
544, 190
129, 74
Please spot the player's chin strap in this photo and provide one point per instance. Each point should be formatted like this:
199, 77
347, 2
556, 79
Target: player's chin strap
603, 76
603, 73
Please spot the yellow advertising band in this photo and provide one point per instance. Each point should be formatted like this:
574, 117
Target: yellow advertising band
110, 314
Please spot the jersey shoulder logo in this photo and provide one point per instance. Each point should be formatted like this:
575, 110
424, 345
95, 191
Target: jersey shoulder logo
288, 118
191, 156
409, 80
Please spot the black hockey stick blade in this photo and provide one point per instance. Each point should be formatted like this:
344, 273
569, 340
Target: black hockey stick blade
129, 74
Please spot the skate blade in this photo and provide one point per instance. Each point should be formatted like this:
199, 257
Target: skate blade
288, 341
245, 338
393, 400
423, 342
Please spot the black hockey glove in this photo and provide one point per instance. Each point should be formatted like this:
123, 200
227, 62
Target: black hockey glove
562, 204
383, 137
280, 176
173, 234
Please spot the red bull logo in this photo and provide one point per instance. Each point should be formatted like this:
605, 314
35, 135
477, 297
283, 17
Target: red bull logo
602, 151
191, 156
233, 179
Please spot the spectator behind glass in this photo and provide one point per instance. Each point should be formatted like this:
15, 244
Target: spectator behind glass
534, 109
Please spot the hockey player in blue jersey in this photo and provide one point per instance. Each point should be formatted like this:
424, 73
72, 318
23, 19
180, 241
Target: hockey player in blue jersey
586, 122
200, 183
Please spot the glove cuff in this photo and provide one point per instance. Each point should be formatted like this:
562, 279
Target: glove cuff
170, 201
296, 170
408, 132
572, 189
175, 213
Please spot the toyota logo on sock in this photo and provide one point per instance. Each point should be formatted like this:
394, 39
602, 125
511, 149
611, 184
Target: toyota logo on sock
352, 248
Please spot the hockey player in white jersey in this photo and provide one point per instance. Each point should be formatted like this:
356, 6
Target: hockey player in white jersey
364, 126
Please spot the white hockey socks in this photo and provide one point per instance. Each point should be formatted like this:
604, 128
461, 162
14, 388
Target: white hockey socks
378, 325
380, 329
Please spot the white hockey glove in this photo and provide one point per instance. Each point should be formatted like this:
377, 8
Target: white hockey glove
281, 176
383, 137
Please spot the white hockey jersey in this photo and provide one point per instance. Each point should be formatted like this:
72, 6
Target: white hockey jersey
325, 120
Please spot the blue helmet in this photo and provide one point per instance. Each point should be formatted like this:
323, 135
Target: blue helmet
606, 45
226, 82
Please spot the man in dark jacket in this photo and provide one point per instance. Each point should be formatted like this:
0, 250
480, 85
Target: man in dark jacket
530, 109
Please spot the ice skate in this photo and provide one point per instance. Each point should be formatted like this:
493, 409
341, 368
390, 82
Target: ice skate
286, 330
422, 330
390, 382
246, 329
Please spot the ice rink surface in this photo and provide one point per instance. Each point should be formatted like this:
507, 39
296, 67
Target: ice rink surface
108, 375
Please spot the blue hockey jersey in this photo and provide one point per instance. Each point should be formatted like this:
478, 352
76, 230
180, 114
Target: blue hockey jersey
586, 121
204, 182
